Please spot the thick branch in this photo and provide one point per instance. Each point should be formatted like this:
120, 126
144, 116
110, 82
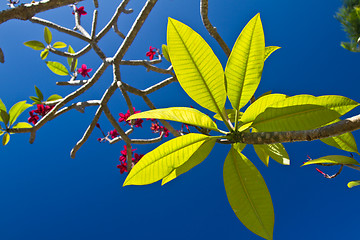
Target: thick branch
344, 126
27, 11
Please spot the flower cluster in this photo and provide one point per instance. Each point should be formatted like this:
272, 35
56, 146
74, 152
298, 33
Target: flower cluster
156, 128
41, 111
152, 52
124, 117
123, 163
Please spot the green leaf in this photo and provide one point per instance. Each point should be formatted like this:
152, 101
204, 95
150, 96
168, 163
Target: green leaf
47, 35
39, 94
165, 52
245, 64
248, 194
2, 108
54, 97
44, 54
353, 184
278, 153
5, 117
260, 151
230, 113
69, 60
344, 142
6, 139
197, 68
302, 112
57, 68
36, 45
59, 45
269, 50
332, 159
17, 109
160, 162
35, 99
179, 114
260, 105
22, 125
199, 156
1, 132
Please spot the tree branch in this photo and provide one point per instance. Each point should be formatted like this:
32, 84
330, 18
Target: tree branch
27, 11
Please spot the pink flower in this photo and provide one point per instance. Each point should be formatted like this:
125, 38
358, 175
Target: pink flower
122, 167
80, 11
124, 117
33, 117
84, 71
138, 123
151, 53
114, 133
155, 127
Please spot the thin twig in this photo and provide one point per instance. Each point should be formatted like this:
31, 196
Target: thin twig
211, 29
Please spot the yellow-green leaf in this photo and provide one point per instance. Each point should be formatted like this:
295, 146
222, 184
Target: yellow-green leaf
199, 156
261, 153
2, 108
332, 159
59, 45
248, 194
69, 60
57, 68
160, 162
39, 94
47, 35
44, 54
6, 139
165, 52
22, 125
353, 184
230, 113
245, 64
269, 50
179, 114
54, 97
36, 45
302, 112
197, 68
16, 110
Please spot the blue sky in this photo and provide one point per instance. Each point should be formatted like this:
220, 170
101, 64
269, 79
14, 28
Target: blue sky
44, 194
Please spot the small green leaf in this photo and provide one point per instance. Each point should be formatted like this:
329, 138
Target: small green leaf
35, 99
5, 117
248, 194
196, 66
332, 159
160, 162
230, 113
261, 153
59, 45
54, 97
353, 184
17, 109
199, 156
22, 125
2, 108
245, 64
278, 153
39, 94
57, 68
165, 52
44, 54
269, 50
1, 132
47, 35
185, 115
69, 60
6, 139
36, 45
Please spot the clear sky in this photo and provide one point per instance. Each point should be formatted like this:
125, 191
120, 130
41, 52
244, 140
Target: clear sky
44, 194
